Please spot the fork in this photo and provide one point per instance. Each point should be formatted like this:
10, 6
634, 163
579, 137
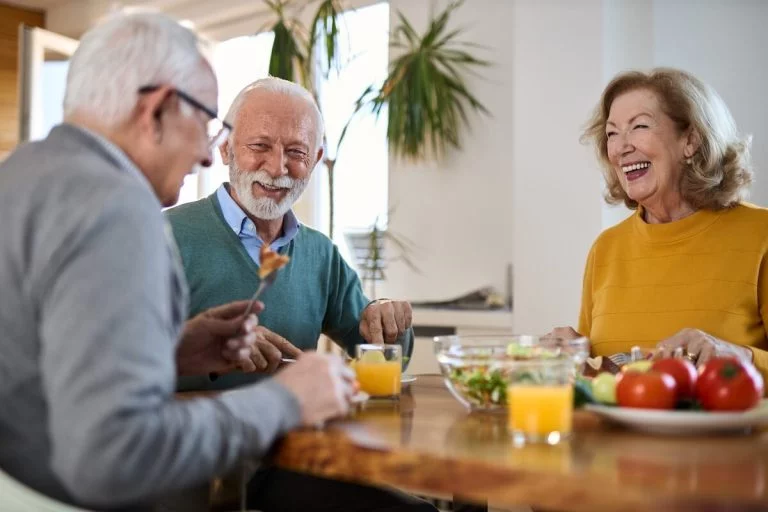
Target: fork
263, 286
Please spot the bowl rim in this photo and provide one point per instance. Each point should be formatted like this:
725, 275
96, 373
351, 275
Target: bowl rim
441, 343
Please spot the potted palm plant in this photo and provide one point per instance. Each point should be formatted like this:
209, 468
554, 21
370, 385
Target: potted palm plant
425, 92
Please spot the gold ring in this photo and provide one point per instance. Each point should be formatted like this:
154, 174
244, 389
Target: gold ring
691, 357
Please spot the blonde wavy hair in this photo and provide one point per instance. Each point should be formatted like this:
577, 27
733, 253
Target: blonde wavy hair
720, 170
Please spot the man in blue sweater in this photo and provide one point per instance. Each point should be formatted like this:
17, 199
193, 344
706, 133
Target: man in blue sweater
274, 146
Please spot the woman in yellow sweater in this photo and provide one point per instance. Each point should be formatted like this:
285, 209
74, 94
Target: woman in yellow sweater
690, 267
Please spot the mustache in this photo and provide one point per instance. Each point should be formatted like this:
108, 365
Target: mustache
262, 177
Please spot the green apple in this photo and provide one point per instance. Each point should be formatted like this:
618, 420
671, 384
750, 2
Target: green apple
604, 388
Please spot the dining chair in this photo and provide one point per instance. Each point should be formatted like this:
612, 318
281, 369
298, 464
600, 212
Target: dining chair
17, 497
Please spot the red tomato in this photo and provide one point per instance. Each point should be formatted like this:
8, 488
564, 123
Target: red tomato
727, 384
648, 390
682, 371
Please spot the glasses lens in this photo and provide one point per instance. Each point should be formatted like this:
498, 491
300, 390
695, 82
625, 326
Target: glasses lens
217, 133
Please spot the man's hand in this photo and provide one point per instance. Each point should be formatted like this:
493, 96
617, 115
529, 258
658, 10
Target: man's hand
383, 321
218, 340
269, 349
323, 385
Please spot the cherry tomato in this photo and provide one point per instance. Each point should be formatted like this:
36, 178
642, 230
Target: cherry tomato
727, 384
649, 390
682, 371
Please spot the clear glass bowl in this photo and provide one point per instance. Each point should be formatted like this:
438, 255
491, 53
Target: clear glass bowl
476, 369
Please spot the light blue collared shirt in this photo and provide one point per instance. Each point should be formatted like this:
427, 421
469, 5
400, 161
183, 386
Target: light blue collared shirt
245, 229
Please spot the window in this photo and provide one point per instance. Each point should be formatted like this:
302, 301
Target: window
361, 172
54, 81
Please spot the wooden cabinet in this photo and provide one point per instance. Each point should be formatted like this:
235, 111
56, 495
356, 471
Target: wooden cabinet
10, 19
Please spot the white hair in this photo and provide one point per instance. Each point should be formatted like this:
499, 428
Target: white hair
280, 86
128, 51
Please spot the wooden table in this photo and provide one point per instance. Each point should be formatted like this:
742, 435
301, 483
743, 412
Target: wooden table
428, 443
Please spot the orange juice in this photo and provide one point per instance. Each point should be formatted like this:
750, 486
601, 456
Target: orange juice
538, 410
379, 378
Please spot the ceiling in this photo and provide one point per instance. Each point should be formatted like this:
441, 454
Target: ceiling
39, 5
215, 20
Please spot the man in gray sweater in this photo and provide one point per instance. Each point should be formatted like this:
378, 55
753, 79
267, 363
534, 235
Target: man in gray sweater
93, 300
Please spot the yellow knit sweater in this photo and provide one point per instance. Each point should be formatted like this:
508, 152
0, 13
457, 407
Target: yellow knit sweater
708, 271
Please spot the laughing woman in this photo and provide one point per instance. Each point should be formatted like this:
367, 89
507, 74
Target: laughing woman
690, 267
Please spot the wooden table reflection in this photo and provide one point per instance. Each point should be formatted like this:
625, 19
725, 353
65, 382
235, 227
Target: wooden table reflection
428, 443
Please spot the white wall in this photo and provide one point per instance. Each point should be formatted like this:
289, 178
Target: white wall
523, 190
460, 212
558, 74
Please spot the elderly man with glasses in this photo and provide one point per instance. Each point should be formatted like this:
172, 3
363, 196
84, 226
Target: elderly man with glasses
94, 300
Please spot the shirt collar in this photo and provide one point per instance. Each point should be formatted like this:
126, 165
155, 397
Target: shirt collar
123, 160
244, 227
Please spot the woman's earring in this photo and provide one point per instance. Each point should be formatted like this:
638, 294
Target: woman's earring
689, 161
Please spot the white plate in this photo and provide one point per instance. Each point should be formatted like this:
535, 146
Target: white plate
407, 379
360, 397
683, 422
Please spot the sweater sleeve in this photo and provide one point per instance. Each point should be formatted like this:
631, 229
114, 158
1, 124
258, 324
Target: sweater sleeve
760, 355
345, 307
107, 362
585, 316
346, 302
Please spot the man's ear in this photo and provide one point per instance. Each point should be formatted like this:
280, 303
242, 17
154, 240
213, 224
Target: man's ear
320, 153
224, 152
149, 109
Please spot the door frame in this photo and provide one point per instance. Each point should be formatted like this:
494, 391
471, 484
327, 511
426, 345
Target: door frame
33, 44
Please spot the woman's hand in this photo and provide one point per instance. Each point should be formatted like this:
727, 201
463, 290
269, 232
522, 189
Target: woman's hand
700, 347
563, 333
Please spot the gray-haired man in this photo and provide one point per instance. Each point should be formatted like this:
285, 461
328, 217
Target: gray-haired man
93, 300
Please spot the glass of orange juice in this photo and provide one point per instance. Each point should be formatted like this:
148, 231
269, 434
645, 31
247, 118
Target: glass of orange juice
540, 399
379, 369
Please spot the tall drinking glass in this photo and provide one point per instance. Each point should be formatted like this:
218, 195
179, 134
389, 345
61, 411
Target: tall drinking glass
540, 399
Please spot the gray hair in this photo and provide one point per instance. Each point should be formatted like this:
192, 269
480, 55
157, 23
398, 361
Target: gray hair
125, 52
280, 86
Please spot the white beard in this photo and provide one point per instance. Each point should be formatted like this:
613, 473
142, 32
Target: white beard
264, 207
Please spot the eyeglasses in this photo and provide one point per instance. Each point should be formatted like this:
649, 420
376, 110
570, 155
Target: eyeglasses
218, 129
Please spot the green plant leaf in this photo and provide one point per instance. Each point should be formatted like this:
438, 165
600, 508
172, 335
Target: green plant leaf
285, 52
326, 28
427, 98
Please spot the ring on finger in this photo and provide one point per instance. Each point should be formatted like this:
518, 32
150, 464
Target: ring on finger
690, 356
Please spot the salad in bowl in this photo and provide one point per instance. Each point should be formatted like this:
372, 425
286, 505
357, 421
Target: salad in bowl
476, 369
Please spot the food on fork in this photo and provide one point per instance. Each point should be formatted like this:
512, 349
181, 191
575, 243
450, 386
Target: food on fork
600, 364
269, 261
